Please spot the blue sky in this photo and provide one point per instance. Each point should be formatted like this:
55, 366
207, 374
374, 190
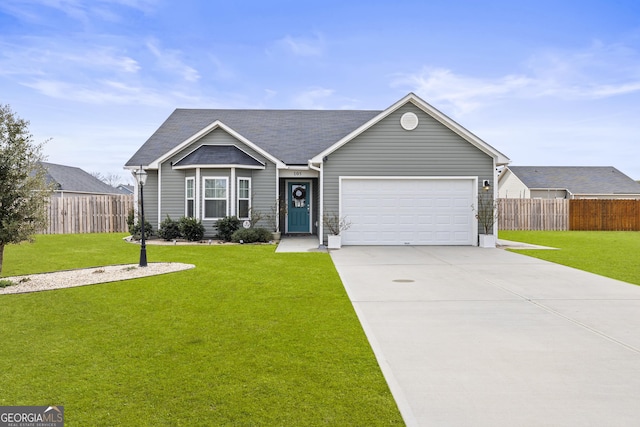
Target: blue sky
545, 82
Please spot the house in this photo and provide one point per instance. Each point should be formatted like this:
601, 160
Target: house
126, 188
406, 175
73, 181
566, 182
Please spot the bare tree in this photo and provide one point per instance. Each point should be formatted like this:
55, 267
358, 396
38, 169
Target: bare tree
112, 179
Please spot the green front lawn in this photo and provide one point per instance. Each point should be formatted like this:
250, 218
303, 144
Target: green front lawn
613, 254
248, 337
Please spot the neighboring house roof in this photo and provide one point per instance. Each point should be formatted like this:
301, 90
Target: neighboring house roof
293, 137
577, 179
126, 188
218, 155
73, 179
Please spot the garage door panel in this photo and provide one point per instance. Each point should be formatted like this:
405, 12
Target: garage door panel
425, 219
461, 220
462, 203
411, 211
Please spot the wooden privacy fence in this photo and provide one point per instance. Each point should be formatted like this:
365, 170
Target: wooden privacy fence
604, 215
533, 214
88, 214
574, 214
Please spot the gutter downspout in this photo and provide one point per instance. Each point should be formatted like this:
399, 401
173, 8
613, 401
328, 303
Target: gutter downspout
277, 202
495, 198
159, 219
321, 207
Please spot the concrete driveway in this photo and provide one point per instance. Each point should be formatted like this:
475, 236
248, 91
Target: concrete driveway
483, 337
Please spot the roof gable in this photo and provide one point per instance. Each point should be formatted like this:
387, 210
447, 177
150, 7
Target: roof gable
577, 179
218, 155
289, 136
500, 158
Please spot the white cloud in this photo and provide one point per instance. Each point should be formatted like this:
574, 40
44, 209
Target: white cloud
38, 56
463, 93
597, 72
103, 92
80, 10
170, 60
302, 46
311, 98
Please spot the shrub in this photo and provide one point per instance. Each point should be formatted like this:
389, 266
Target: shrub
4, 283
191, 229
131, 220
227, 226
251, 235
169, 229
135, 229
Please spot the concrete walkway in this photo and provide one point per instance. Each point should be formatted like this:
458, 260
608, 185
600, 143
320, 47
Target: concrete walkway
304, 243
483, 337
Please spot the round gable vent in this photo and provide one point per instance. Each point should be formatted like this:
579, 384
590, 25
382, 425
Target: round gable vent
409, 121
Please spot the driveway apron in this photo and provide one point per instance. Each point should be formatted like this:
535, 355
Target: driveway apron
484, 337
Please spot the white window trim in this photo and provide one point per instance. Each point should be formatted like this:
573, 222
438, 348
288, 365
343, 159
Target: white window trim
204, 198
238, 198
186, 195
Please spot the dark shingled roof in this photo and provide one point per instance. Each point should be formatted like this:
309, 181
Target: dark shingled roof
218, 155
577, 179
69, 178
292, 136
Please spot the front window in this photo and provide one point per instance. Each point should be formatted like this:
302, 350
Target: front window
244, 198
190, 198
215, 198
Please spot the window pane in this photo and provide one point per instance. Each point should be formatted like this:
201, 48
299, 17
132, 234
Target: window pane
215, 208
190, 208
243, 209
215, 188
209, 191
190, 189
243, 189
220, 189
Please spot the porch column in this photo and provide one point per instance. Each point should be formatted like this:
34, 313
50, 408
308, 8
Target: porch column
232, 193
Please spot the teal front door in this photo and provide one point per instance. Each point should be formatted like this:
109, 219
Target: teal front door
298, 209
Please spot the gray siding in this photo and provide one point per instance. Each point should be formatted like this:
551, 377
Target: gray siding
263, 191
386, 149
263, 182
151, 199
173, 191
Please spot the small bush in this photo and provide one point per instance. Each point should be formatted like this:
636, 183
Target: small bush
131, 220
4, 283
191, 229
251, 235
227, 226
169, 229
136, 230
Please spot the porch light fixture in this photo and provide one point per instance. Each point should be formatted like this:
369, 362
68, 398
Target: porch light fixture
141, 176
485, 185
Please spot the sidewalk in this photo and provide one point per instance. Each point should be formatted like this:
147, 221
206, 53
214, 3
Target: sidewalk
299, 244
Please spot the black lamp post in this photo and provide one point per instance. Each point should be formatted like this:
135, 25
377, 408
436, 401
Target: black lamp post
141, 175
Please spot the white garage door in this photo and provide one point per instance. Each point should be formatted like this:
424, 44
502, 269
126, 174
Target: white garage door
414, 211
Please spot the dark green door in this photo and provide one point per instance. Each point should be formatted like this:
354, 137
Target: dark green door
298, 209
